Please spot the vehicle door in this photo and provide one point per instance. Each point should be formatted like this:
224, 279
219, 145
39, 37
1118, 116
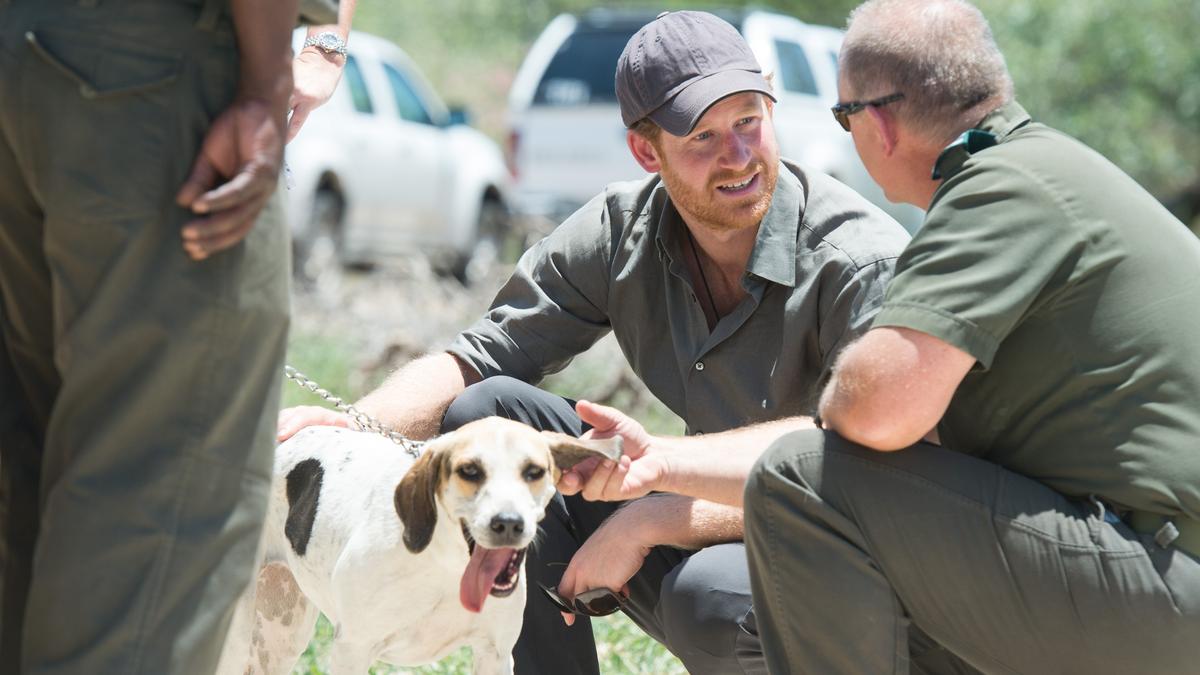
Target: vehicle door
421, 157
360, 190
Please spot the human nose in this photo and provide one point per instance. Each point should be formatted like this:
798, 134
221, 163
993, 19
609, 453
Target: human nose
736, 152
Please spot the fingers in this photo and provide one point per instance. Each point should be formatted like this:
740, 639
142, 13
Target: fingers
299, 115
566, 589
203, 176
292, 420
204, 236
596, 485
571, 481
600, 417
244, 142
608, 481
252, 181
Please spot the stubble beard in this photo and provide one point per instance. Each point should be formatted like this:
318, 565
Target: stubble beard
699, 204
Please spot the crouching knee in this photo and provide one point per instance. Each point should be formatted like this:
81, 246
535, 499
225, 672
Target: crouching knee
787, 458
706, 614
492, 396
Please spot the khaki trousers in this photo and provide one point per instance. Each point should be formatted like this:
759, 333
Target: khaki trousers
927, 560
138, 388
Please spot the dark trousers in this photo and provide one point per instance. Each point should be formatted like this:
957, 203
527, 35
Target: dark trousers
697, 604
138, 388
931, 561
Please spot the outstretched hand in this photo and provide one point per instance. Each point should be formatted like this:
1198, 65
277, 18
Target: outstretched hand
639, 471
234, 175
292, 420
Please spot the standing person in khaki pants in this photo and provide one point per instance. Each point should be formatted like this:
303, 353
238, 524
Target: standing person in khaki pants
143, 319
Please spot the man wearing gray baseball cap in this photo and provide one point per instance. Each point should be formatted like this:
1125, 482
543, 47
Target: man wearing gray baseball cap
731, 280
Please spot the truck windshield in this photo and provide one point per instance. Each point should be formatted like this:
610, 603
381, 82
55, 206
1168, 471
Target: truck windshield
583, 69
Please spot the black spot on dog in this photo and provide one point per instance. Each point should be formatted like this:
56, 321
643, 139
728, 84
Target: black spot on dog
303, 492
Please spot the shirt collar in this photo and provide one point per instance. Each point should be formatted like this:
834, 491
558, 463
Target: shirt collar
997, 125
774, 255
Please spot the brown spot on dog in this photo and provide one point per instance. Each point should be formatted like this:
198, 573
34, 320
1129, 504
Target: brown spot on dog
279, 597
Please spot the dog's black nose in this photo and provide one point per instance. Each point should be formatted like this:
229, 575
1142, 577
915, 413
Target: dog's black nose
509, 524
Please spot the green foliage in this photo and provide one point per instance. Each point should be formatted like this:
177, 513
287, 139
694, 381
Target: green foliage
1123, 77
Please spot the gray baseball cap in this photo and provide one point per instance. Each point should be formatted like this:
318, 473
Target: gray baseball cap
678, 65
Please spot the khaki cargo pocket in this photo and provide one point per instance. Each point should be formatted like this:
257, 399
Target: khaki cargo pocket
104, 68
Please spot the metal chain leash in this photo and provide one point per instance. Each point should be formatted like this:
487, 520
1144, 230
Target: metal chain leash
362, 419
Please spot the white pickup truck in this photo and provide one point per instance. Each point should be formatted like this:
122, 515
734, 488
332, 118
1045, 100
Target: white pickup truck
566, 140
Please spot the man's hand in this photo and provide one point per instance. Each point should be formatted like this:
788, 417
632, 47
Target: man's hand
292, 420
639, 471
316, 75
233, 177
608, 558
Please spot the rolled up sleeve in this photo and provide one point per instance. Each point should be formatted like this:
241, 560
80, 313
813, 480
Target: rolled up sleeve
997, 246
553, 307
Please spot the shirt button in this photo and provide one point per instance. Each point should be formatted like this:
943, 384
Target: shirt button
699, 365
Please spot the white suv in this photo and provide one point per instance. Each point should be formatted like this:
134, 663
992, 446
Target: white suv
566, 140
385, 169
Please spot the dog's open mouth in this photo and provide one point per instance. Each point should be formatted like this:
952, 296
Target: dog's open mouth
491, 571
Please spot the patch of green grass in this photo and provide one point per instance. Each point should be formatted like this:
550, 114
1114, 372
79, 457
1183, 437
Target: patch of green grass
325, 360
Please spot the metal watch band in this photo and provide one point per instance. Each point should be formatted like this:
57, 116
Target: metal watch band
328, 42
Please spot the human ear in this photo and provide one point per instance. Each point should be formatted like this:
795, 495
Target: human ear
884, 128
643, 151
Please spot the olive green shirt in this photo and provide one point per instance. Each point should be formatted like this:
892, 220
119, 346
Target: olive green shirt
1079, 296
817, 274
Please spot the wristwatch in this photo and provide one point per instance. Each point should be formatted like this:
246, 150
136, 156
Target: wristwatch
328, 42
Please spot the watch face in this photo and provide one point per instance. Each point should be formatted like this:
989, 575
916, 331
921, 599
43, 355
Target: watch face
327, 41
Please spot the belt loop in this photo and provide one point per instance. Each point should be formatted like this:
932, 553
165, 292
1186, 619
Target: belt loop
210, 12
1166, 535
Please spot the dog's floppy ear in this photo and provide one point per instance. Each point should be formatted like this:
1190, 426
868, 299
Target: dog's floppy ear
416, 499
569, 451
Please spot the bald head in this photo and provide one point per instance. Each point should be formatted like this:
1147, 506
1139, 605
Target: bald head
939, 53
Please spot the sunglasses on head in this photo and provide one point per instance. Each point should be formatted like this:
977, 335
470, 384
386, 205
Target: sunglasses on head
843, 111
596, 602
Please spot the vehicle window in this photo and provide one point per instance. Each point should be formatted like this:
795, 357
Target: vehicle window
833, 57
407, 102
795, 74
358, 87
581, 72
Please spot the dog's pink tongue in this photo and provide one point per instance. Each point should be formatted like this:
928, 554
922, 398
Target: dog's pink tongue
480, 574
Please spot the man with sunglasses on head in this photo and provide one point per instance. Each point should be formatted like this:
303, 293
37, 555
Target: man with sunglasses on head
1008, 474
731, 280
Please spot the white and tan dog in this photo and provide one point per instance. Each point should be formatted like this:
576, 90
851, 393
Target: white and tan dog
399, 555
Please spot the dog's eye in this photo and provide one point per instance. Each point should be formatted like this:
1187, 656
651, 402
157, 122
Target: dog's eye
470, 472
534, 473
